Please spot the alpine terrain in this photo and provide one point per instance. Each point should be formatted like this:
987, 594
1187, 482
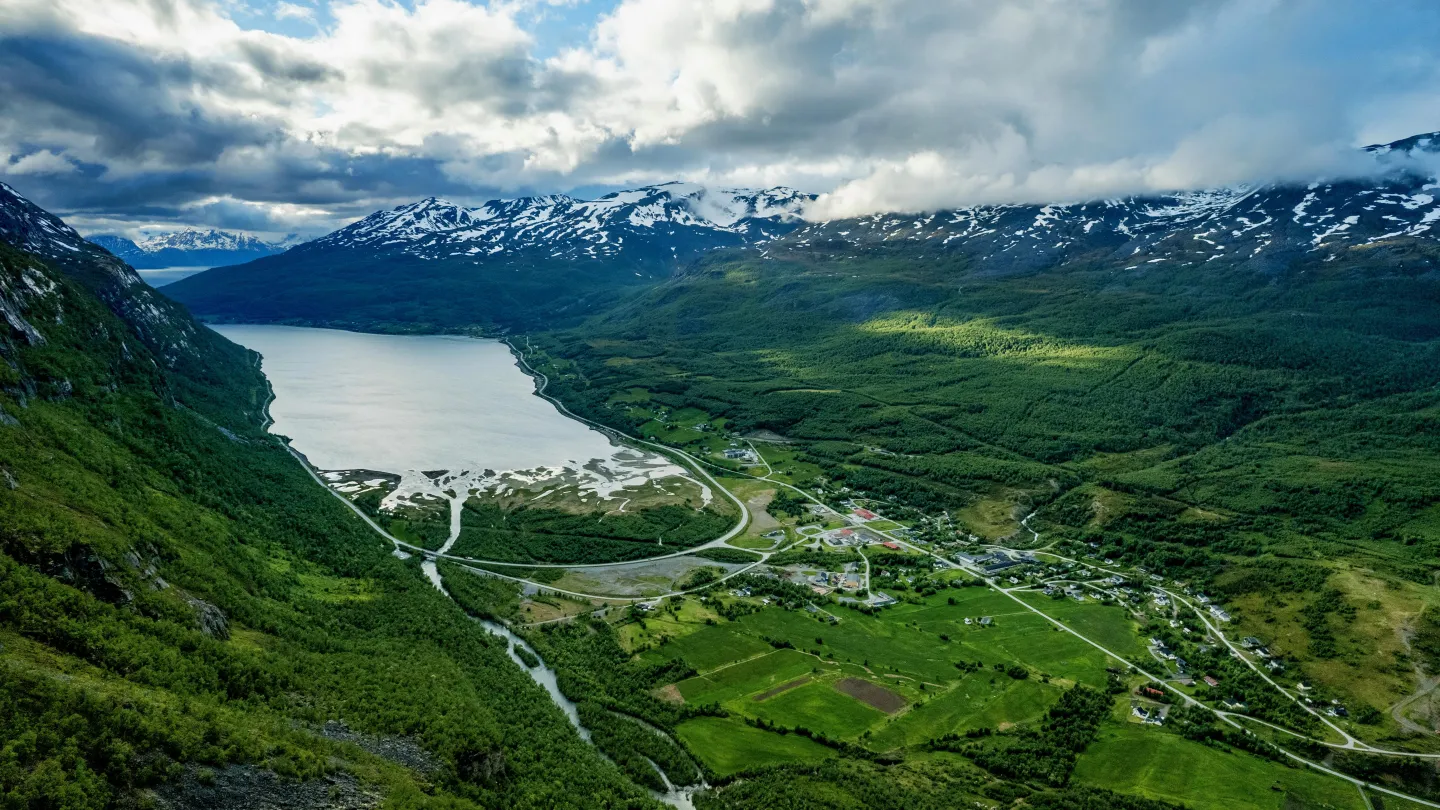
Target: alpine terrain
187, 248
434, 264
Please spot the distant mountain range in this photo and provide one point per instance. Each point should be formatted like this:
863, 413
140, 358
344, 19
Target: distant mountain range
664, 222
435, 264
1263, 227
188, 248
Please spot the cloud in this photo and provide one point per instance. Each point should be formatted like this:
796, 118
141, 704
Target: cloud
291, 11
41, 162
169, 109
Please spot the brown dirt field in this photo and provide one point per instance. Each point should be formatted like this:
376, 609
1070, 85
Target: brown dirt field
872, 694
670, 694
784, 687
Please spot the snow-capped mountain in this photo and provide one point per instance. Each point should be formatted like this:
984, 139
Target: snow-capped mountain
164, 325
1264, 226
32, 228
667, 221
188, 248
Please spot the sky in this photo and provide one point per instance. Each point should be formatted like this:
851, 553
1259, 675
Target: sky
298, 116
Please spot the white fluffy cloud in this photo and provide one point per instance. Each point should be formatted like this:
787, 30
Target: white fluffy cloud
881, 104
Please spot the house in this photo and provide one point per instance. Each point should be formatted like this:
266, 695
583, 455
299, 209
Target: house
865, 514
1249, 642
969, 620
1218, 613
1209, 681
985, 621
1140, 712
1151, 691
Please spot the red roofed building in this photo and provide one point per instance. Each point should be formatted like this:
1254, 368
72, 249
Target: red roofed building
1211, 681
866, 514
892, 546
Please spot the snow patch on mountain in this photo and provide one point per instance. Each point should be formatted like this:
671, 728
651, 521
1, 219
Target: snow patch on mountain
662, 220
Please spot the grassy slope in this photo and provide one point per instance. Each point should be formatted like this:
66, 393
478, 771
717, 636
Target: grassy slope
121, 512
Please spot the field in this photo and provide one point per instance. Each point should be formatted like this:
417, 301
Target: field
729, 746
901, 661
818, 706
1109, 626
977, 701
1163, 766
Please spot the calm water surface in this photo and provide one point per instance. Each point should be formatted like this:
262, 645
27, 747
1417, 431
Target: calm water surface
400, 402
167, 275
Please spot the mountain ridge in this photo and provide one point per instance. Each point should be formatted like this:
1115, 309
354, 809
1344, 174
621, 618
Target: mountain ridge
435, 265
189, 247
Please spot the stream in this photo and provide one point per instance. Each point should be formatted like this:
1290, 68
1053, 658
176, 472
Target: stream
679, 797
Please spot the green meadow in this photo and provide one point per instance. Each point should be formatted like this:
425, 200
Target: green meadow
728, 746
1160, 765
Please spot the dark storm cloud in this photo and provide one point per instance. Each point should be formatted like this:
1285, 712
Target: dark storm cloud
129, 104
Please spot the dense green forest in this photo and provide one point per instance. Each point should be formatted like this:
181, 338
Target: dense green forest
532, 534
179, 602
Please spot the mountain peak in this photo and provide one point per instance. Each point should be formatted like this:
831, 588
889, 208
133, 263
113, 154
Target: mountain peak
667, 220
27, 225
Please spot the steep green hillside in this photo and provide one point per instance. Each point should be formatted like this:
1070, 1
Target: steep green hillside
186, 618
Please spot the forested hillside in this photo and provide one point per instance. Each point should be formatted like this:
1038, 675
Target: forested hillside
186, 620
1269, 435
